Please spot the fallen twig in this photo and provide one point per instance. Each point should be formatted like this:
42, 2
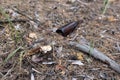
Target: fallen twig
13, 21
27, 16
96, 54
83, 2
8, 72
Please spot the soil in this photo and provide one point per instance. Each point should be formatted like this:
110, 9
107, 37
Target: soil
43, 17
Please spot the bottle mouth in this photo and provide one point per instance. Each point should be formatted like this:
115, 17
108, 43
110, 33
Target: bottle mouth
60, 32
67, 29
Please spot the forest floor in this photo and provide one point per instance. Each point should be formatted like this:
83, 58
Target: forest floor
35, 23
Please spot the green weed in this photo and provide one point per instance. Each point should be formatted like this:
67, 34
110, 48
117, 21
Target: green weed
15, 34
12, 54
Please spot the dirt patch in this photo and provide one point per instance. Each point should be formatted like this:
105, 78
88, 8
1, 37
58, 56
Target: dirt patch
43, 17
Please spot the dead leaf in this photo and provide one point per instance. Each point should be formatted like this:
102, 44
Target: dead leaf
112, 19
112, 0
47, 48
37, 59
62, 72
60, 67
33, 51
29, 40
80, 56
41, 49
33, 35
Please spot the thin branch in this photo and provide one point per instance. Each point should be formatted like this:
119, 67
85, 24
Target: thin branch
8, 72
96, 54
13, 21
27, 16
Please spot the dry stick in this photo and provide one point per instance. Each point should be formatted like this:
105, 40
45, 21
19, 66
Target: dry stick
13, 21
8, 72
96, 54
30, 18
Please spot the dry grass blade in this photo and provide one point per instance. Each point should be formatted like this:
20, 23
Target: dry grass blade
106, 3
21, 58
12, 54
